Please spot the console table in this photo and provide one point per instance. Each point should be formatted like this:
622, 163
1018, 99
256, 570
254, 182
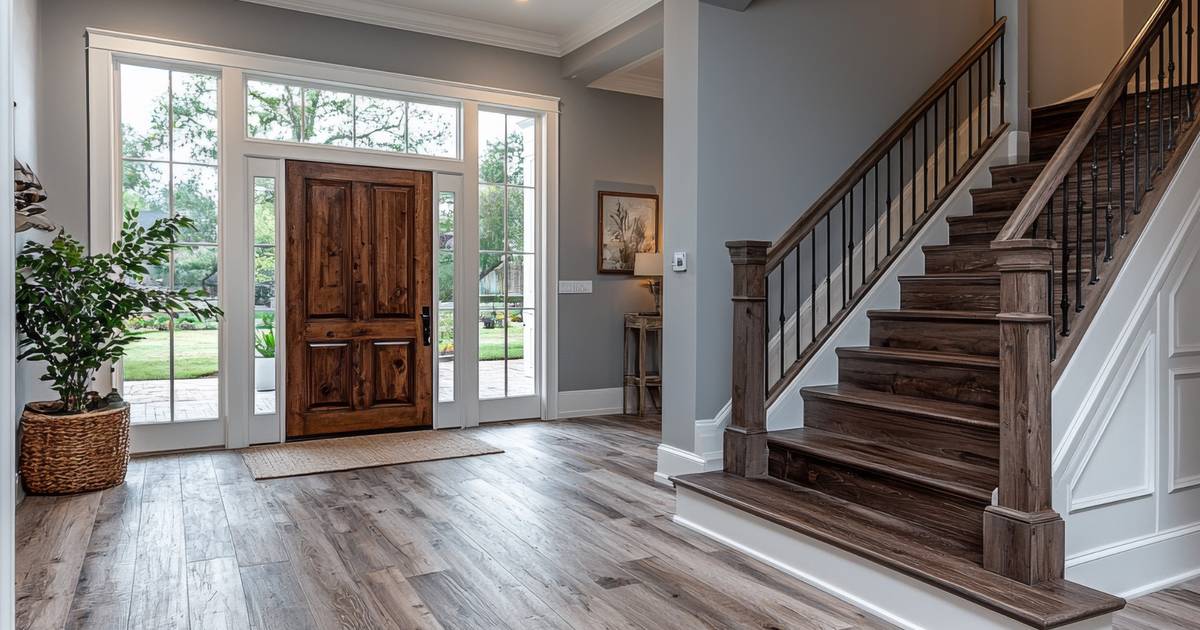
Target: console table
643, 360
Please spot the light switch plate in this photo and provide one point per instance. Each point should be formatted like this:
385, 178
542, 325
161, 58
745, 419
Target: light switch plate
568, 287
679, 261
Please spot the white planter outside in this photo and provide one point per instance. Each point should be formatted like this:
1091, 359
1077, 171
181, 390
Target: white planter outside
264, 374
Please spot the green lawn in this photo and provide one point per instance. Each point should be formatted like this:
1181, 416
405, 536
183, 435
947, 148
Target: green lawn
195, 356
196, 352
491, 342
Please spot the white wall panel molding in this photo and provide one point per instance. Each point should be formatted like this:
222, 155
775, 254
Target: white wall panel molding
1118, 461
1183, 469
1184, 304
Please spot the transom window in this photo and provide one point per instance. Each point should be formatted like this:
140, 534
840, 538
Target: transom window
305, 114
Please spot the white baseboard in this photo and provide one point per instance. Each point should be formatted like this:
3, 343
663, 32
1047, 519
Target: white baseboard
1140, 566
893, 596
589, 402
676, 461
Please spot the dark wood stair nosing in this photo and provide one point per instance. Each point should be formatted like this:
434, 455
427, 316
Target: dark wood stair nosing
1062, 602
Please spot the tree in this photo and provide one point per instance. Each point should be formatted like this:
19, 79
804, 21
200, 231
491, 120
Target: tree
500, 231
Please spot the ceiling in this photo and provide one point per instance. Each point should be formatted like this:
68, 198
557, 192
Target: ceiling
643, 77
547, 27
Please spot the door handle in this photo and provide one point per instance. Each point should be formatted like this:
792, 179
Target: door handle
426, 331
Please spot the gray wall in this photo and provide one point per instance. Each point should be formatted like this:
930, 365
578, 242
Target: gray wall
605, 137
790, 94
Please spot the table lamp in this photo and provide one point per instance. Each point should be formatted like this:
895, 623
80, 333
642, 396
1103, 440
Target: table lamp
650, 265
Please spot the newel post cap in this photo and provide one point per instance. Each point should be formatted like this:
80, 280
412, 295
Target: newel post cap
1026, 254
748, 252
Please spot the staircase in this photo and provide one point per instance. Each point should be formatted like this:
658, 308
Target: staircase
898, 461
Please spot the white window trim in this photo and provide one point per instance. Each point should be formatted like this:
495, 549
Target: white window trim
106, 48
8, 354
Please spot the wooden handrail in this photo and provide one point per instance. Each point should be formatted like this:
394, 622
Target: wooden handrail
879, 149
1080, 136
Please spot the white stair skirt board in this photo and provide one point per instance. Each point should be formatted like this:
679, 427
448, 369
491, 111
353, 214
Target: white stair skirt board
673, 462
893, 596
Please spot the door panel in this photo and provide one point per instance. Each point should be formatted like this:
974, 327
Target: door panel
358, 359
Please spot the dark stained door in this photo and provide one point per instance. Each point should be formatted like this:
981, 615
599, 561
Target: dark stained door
359, 295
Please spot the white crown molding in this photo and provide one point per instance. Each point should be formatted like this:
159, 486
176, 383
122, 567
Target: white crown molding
391, 15
610, 16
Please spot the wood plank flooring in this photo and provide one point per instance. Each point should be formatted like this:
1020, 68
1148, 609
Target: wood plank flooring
563, 530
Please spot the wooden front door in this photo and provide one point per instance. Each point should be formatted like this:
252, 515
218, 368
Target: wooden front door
359, 299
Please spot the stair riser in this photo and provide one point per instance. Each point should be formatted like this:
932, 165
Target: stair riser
983, 259
962, 337
988, 228
954, 518
956, 383
950, 296
1006, 201
961, 442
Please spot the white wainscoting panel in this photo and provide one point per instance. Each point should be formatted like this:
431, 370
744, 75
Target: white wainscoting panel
1127, 413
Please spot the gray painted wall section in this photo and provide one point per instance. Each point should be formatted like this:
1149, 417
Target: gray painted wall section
605, 137
790, 94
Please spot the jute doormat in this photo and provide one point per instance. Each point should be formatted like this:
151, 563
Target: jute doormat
363, 451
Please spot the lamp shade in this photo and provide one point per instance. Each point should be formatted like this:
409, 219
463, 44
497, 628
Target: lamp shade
648, 264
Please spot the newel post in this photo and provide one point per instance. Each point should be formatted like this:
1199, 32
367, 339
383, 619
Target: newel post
1023, 535
746, 435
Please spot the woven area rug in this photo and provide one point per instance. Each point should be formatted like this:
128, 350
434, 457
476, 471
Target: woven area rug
362, 451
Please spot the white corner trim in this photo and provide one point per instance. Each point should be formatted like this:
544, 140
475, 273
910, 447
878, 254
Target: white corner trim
428, 22
589, 402
611, 15
891, 595
674, 461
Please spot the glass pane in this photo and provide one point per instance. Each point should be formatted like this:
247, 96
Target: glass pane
379, 123
491, 282
519, 281
194, 115
144, 119
491, 217
522, 217
272, 111
446, 355
196, 270
329, 117
433, 130
195, 362
264, 362
145, 187
264, 210
491, 148
196, 198
522, 150
520, 369
446, 221
491, 353
147, 370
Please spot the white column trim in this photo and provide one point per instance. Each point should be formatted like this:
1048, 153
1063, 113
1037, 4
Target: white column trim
8, 414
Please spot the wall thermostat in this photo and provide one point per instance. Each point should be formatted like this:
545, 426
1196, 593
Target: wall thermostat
679, 261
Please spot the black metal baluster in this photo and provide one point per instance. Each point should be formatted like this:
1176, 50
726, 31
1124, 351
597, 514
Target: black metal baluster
1148, 138
887, 208
1108, 208
1162, 77
862, 276
1170, 83
1078, 236
1095, 211
956, 119
797, 326
1050, 219
1050, 310
1137, 132
813, 286
991, 87
1003, 62
828, 268
925, 162
767, 332
979, 99
1124, 124
1191, 105
912, 200
1065, 245
948, 159
782, 308
970, 110
845, 267
936, 171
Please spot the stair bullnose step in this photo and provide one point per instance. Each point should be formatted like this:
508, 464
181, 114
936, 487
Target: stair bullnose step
966, 481
939, 410
896, 545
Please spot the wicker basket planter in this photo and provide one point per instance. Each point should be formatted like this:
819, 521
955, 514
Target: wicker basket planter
66, 454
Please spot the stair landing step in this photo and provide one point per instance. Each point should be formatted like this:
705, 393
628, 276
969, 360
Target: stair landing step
941, 410
958, 478
901, 546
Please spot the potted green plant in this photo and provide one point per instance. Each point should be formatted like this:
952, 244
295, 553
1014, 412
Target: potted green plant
264, 358
73, 313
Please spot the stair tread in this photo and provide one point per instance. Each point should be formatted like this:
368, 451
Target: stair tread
898, 545
920, 356
975, 277
960, 413
918, 313
962, 479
